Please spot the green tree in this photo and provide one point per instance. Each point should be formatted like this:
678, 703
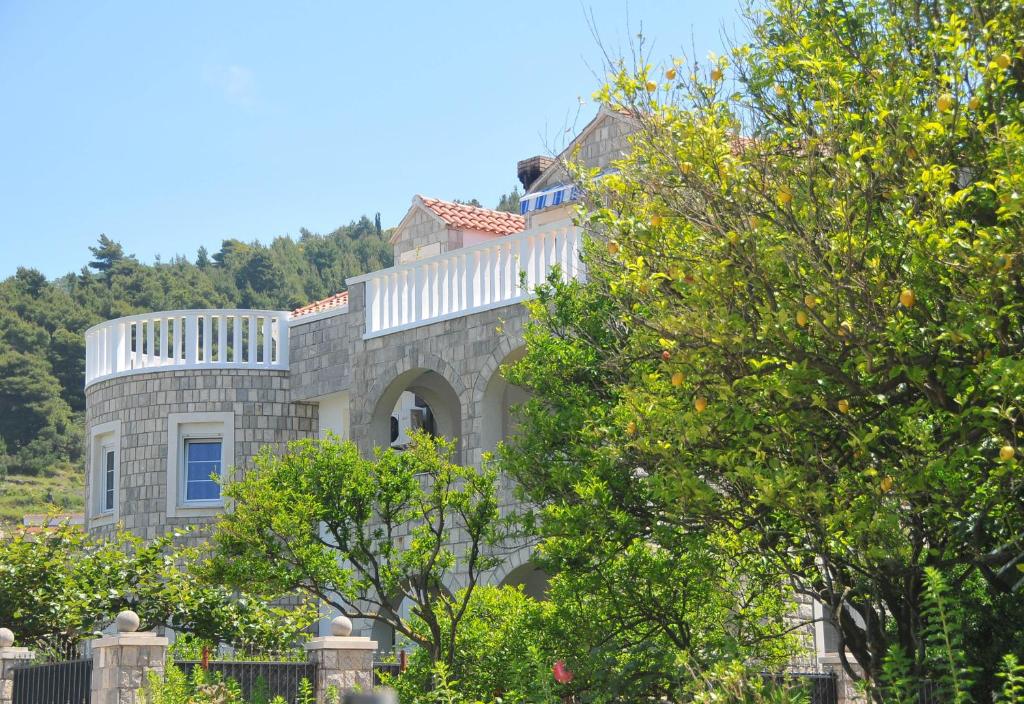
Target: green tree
61, 586
106, 254
364, 535
509, 202
504, 648
804, 315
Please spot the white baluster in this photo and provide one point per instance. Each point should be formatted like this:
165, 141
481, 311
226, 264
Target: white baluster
236, 339
444, 285
221, 339
253, 334
373, 304
207, 342
191, 338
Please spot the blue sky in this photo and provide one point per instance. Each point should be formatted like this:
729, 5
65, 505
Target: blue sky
173, 125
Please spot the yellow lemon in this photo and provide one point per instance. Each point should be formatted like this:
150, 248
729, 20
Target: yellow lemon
779, 90
657, 221
974, 103
716, 74
631, 428
678, 378
843, 405
1003, 61
700, 404
686, 167
886, 484
1006, 453
907, 298
945, 102
613, 247
670, 74
810, 301
652, 86
845, 328
785, 195
801, 318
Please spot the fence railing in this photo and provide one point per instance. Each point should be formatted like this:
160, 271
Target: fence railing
265, 680
467, 280
187, 339
67, 682
822, 687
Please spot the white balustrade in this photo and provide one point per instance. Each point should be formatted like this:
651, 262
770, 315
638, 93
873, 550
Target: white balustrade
468, 280
187, 339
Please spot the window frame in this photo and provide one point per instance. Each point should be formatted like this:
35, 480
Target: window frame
182, 427
104, 438
108, 470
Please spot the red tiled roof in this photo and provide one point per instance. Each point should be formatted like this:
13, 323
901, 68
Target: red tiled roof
338, 300
468, 217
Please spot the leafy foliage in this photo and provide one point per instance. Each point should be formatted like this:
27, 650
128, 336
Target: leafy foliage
802, 335
504, 649
364, 535
60, 586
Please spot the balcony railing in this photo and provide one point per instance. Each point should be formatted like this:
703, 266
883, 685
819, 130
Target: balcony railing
187, 339
468, 280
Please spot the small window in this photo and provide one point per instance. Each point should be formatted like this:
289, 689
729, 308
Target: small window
202, 469
108, 479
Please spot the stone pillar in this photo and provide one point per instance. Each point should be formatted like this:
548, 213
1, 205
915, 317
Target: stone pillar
10, 658
343, 661
120, 662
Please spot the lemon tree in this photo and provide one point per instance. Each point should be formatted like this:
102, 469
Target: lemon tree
803, 322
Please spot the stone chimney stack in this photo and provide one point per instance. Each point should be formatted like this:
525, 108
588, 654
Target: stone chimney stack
530, 170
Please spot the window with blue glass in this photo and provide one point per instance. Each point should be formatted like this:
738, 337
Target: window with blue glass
202, 469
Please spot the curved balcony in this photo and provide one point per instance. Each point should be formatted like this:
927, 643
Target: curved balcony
187, 339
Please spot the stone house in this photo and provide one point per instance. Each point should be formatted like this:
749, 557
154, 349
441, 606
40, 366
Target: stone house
172, 396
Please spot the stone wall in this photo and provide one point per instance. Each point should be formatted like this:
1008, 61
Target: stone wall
263, 415
421, 229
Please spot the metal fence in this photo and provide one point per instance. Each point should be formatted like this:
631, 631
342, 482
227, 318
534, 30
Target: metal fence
66, 682
259, 680
822, 687
385, 668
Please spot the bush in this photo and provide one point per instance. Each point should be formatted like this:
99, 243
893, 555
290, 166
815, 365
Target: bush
503, 650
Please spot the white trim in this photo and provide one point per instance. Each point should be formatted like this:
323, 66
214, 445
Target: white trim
313, 317
182, 426
105, 436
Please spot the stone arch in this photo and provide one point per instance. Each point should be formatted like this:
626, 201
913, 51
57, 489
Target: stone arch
431, 379
521, 570
495, 396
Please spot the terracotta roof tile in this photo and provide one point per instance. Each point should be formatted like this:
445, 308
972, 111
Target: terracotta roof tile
338, 300
468, 217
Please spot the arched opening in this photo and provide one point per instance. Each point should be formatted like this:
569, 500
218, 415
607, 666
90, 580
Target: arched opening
533, 580
417, 399
500, 397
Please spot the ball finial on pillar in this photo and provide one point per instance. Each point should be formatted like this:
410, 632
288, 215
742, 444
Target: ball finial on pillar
6, 637
341, 626
127, 622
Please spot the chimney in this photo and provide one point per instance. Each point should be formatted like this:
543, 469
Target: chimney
529, 170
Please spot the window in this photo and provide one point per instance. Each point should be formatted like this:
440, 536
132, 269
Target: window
200, 454
108, 479
202, 469
104, 473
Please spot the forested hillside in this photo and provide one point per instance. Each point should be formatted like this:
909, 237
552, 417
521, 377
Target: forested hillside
42, 349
